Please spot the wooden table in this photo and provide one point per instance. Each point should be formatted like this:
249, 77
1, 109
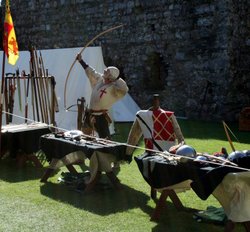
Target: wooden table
22, 141
62, 151
231, 186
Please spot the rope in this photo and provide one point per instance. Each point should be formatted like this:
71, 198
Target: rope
164, 154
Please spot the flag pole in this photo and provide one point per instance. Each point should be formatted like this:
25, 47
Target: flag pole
11, 51
1, 102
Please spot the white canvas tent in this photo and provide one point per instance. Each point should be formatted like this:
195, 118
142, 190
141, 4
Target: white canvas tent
58, 62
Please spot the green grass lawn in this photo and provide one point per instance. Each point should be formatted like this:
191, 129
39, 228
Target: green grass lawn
28, 205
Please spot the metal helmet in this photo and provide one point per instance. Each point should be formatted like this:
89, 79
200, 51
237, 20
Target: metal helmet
236, 155
201, 158
186, 150
73, 134
114, 72
247, 152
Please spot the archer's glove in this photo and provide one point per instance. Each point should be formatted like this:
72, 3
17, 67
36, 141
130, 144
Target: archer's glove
79, 57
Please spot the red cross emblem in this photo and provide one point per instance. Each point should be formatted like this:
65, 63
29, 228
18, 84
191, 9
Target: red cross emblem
103, 91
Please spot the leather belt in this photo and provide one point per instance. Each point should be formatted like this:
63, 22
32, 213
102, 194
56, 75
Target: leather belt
98, 112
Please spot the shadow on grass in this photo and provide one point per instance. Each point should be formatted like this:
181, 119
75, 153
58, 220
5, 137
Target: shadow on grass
10, 172
172, 220
103, 200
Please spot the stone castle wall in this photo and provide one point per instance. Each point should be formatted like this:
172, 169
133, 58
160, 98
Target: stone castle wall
194, 53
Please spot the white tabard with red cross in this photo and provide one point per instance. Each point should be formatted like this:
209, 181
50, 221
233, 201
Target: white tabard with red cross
157, 125
104, 95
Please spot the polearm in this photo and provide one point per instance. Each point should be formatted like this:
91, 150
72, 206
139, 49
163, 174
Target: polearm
53, 84
55, 104
53, 99
6, 100
10, 83
36, 79
33, 84
45, 84
32, 91
26, 93
80, 107
46, 90
13, 90
10, 97
19, 90
25, 96
40, 86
